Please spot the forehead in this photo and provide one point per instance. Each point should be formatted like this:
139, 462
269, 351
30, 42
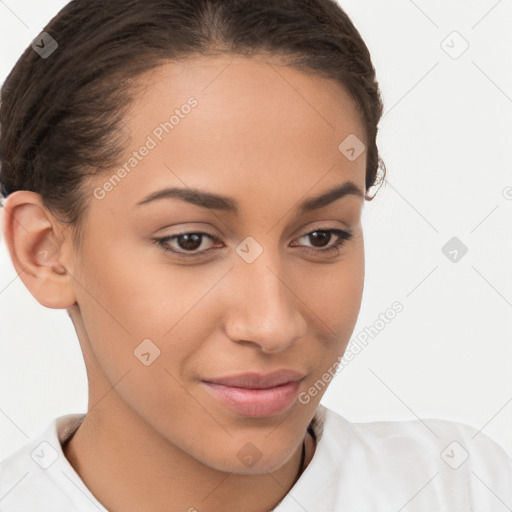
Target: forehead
232, 88
233, 123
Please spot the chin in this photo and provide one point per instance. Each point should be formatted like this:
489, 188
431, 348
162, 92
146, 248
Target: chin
250, 458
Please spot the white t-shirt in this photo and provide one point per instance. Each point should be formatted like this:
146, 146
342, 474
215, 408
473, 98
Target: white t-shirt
390, 466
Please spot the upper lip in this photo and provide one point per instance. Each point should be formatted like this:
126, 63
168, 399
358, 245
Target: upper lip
254, 380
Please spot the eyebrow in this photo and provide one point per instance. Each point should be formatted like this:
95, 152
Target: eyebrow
217, 202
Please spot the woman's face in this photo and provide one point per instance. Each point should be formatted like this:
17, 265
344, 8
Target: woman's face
252, 289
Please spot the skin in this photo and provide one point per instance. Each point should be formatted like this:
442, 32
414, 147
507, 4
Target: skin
267, 135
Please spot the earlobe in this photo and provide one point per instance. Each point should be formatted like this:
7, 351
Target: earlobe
39, 253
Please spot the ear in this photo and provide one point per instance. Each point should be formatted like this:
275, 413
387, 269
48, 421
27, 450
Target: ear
39, 251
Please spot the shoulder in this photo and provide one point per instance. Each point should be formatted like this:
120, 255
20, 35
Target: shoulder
455, 444
39, 477
437, 464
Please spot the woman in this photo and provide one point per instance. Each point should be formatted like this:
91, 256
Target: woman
186, 179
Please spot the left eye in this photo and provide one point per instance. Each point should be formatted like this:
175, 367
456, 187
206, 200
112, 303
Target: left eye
192, 241
326, 234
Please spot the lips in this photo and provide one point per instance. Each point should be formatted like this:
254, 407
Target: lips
259, 381
256, 395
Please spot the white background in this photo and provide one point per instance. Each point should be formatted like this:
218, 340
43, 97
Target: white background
446, 140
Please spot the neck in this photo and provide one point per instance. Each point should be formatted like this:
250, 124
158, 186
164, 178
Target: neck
129, 466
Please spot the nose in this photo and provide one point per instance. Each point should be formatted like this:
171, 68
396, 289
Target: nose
264, 309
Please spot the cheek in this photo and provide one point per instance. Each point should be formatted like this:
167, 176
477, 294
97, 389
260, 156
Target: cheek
334, 295
334, 292
133, 303
140, 330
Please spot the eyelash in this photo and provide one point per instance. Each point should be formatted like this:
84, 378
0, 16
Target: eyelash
343, 236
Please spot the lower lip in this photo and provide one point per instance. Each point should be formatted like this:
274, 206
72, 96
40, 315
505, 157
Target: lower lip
256, 402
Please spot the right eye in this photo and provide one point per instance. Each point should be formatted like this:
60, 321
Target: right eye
186, 243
